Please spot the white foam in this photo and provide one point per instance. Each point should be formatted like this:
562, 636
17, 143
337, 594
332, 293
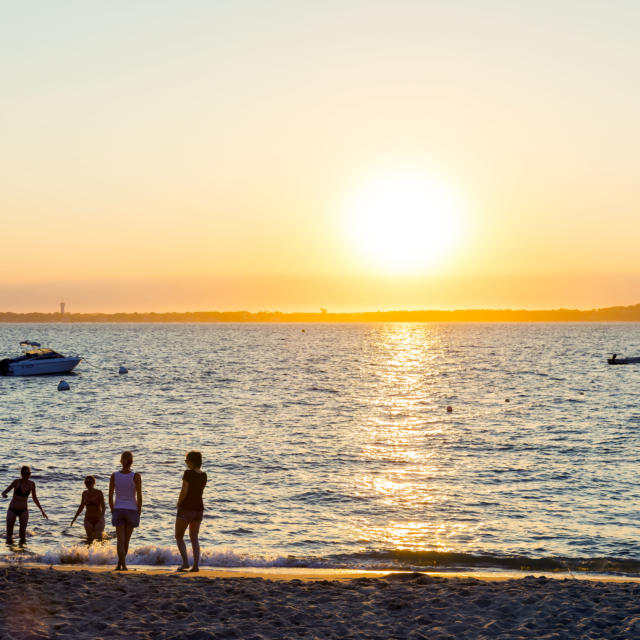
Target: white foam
97, 553
103, 553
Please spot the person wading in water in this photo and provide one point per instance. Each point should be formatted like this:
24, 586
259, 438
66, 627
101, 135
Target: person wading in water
93, 500
18, 508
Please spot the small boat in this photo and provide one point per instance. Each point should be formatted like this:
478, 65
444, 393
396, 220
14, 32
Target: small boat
616, 360
36, 361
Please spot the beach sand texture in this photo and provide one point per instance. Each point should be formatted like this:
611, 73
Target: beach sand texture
47, 603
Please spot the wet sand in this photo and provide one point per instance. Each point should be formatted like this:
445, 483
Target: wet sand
96, 602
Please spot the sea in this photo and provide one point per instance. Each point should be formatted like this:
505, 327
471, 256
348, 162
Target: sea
361, 446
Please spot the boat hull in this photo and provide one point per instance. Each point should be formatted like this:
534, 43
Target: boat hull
623, 360
48, 366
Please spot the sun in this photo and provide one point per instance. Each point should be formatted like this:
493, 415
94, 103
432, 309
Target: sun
404, 222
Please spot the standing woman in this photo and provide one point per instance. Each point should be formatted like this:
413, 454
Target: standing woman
125, 511
93, 500
190, 509
18, 507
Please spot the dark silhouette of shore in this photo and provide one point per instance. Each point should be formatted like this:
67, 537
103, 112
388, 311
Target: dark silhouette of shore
608, 314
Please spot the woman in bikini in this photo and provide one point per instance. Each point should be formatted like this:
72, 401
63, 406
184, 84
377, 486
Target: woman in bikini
190, 509
93, 500
18, 507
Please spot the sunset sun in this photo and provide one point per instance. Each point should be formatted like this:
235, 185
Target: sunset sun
403, 223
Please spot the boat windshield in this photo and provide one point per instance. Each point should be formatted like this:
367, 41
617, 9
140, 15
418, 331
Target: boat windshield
42, 353
30, 343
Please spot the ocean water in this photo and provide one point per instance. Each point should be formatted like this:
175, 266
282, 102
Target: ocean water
331, 445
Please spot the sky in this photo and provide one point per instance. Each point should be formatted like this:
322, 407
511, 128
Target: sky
350, 155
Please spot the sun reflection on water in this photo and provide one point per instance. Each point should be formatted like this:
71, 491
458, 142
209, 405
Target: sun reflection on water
418, 535
399, 445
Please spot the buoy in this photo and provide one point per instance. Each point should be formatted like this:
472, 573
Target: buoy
63, 385
507, 400
123, 370
449, 409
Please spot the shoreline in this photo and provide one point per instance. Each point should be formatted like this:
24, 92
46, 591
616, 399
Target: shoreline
323, 574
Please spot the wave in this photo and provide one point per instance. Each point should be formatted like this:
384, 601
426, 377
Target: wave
439, 560
104, 553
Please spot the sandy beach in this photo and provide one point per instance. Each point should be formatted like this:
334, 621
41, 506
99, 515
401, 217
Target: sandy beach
96, 603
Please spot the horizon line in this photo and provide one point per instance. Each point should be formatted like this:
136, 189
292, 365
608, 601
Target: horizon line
628, 313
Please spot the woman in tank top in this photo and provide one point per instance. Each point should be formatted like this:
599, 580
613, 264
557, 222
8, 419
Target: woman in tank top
18, 507
93, 500
190, 509
125, 502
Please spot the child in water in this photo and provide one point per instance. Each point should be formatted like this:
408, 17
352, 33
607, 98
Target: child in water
93, 500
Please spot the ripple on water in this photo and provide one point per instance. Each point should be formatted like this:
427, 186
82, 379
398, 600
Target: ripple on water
320, 440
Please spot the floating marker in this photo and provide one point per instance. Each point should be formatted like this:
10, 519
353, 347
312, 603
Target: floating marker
449, 409
123, 370
507, 400
63, 385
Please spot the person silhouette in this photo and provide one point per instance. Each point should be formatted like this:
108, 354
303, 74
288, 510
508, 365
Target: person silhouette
126, 487
93, 500
190, 509
18, 507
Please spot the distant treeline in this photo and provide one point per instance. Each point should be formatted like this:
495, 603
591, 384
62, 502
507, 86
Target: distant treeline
609, 314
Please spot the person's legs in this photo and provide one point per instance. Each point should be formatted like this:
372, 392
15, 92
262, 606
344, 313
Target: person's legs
181, 527
98, 529
24, 520
128, 530
194, 528
11, 521
94, 529
120, 535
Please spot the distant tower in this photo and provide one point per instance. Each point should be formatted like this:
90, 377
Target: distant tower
62, 308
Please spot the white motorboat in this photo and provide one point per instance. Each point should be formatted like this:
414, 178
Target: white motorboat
36, 361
